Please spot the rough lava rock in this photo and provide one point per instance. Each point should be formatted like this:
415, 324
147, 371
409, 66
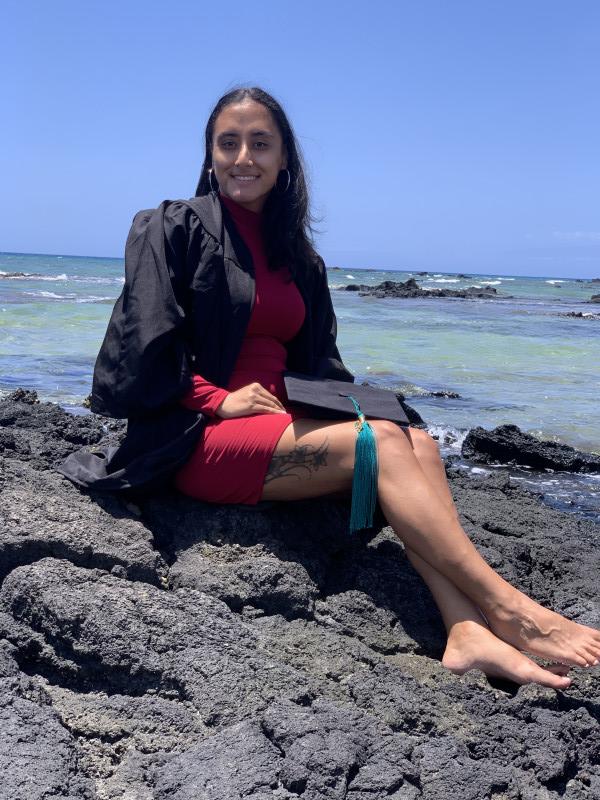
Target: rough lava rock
42, 434
411, 288
579, 314
167, 649
509, 445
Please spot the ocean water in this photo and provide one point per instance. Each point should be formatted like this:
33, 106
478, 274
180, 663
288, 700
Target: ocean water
511, 359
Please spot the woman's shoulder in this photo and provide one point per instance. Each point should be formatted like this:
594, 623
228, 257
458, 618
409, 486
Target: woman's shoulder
317, 269
184, 213
195, 214
167, 214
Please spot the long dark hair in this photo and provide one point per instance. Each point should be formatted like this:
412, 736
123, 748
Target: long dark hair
288, 230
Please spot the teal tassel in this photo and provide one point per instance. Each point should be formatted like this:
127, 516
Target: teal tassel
364, 482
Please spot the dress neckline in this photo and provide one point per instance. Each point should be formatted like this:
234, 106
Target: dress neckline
241, 214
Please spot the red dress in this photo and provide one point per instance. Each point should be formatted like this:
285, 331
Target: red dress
232, 456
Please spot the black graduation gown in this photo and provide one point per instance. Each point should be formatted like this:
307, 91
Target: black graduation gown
185, 306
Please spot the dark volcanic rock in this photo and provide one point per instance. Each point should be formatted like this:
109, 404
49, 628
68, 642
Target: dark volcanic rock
445, 393
508, 444
595, 298
411, 288
177, 650
42, 434
580, 314
355, 287
39, 757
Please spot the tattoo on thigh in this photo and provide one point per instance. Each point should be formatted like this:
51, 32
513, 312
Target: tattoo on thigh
302, 461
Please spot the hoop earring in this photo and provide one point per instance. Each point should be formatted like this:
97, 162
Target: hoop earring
289, 180
210, 174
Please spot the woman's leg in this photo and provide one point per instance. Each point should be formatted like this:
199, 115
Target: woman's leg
315, 458
471, 644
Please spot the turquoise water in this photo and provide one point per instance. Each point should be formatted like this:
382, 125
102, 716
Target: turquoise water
510, 360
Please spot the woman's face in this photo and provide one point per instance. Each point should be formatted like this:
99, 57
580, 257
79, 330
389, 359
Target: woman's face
247, 153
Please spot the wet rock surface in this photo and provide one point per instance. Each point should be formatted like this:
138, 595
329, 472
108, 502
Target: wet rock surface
167, 648
579, 314
411, 288
508, 444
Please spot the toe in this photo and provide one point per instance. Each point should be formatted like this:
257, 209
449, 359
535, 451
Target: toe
584, 658
547, 677
593, 656
559, 682
594, 645
594, 650
579, 659
589, 656
558, 669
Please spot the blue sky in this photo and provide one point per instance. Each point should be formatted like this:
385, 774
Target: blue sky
445, 136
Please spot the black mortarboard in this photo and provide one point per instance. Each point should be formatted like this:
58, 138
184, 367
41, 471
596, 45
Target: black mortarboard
330, 397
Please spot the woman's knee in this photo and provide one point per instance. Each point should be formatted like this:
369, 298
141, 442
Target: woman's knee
396, 441
389, 434
424, 445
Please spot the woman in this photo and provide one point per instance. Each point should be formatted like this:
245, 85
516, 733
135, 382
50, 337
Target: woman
257, 447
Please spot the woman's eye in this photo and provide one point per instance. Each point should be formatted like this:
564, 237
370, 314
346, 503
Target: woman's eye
230, 145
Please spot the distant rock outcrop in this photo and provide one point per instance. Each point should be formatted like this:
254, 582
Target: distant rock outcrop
580, 314
411, 288
508, 444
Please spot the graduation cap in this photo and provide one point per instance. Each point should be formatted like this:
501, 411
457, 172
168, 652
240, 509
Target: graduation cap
329, 395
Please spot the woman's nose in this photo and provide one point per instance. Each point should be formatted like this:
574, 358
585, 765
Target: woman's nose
243, 154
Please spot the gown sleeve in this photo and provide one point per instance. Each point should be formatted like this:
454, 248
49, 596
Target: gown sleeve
144, 361
328, 361
204, 396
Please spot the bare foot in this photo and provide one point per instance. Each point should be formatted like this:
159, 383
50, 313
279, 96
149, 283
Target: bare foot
471, 645
528, 626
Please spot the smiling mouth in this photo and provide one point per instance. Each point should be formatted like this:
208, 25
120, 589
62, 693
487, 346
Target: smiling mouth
245, 178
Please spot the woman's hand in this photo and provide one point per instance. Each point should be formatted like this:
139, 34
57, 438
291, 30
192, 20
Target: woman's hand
251, 399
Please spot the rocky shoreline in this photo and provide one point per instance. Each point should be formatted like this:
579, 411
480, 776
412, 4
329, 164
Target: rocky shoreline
508, 445
158, 647
410, 288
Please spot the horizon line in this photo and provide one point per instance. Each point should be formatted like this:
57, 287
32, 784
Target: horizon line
358, 269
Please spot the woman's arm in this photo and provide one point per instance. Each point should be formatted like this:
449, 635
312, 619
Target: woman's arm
203, 396
143, 362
